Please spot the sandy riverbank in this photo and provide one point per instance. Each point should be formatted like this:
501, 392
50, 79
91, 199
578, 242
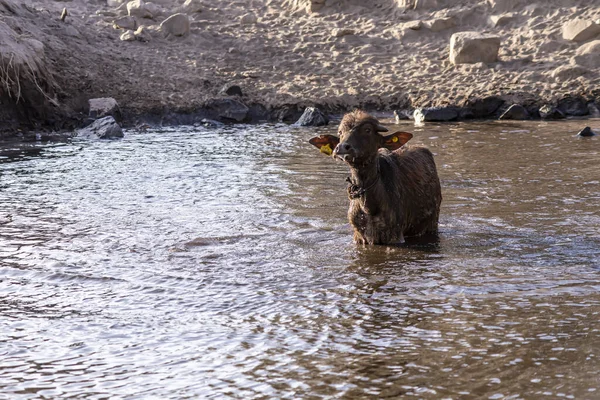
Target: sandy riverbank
288, 54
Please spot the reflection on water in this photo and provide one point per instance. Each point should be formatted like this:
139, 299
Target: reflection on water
218, 263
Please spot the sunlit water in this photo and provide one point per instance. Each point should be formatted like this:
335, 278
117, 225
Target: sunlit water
198, 263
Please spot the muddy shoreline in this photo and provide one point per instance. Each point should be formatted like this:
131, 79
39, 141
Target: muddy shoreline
487, 108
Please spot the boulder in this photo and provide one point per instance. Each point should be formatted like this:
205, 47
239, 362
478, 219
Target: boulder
586, 132
312, 116
568, 72
473, 47
587, 55
229, 109
248, 19
439, 114
103, 128
128, 23
580, 30
176, 25
288, 114
231, 90
549, 112
593, 110
259, 113
516, 112
481, 108
137, 8
576, 106
440, 24
104, 106
127, 36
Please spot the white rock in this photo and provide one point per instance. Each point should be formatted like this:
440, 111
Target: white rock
587, 55
248, 19
580, 30
568, 72
103, 128
440, 24
473, 47
137, 8
127, 36
176, 25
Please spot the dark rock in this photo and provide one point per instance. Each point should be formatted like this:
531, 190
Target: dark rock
465, 113
549, 112
103, 128
87, 122
258, 113
593, 110
229, 109
516, 112
312, 116
534, 111
586, 132
485, 107
400, 115
231, 90
576, 106
435, 114
287, 114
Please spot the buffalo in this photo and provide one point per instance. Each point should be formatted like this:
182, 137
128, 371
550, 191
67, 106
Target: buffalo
394, 189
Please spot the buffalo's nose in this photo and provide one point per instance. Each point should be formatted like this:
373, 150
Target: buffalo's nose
342, 148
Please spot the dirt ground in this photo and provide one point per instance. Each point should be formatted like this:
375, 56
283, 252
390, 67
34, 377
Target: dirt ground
338, 55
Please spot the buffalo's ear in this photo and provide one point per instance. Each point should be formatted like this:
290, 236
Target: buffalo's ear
325, 143
396, 140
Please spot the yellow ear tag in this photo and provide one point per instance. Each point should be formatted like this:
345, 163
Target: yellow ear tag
395, 139
326, 149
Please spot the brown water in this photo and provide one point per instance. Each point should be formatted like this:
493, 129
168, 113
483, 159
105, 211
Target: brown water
195, 263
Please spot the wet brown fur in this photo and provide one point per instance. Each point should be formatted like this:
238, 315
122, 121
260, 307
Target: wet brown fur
405, 200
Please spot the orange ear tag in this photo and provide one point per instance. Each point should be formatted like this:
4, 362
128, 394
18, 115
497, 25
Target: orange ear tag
395, 139
326, 148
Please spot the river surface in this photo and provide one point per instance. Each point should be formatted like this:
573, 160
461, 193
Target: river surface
218, 263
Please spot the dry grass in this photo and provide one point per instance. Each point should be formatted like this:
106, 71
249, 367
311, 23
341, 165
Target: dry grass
22, 65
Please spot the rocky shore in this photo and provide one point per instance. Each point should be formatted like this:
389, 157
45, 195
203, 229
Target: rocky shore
181, 62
